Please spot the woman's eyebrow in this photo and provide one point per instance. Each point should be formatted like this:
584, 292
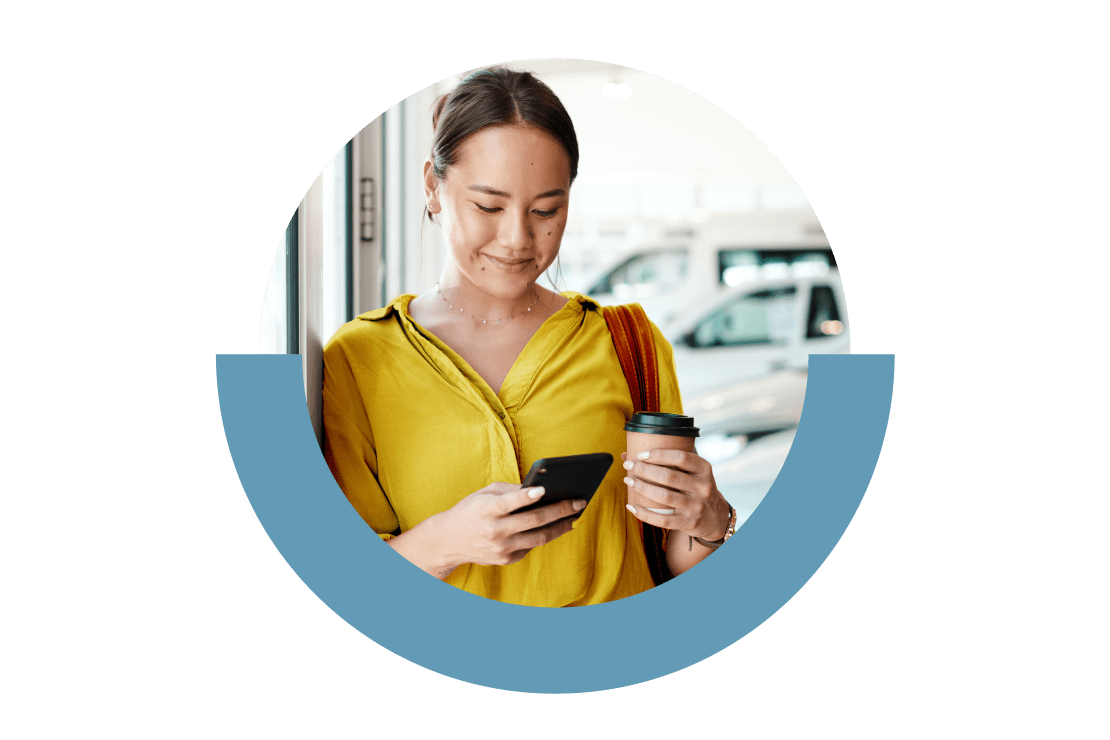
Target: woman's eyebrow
487, 190
501, 193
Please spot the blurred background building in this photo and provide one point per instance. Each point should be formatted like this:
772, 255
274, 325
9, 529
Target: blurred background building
676, 206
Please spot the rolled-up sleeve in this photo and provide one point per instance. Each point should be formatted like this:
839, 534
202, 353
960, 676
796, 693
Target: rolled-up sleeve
349, 444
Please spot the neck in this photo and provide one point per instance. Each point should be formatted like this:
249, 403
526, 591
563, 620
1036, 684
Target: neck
463, 297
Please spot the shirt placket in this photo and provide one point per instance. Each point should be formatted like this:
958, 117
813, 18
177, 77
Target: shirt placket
505, 460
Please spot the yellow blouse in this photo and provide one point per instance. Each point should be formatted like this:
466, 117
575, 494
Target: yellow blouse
411, 429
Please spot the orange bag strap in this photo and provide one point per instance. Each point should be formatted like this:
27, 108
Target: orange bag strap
635, 345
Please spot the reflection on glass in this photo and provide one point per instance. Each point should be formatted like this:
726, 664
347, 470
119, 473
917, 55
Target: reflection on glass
813, 264
740, 265
272, 332
774, 270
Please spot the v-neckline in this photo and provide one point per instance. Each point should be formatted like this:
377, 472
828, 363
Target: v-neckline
538, 345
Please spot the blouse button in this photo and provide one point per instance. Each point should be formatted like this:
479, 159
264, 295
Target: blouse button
501, 414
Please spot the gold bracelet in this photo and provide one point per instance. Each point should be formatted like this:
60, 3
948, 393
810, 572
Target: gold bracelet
729, 531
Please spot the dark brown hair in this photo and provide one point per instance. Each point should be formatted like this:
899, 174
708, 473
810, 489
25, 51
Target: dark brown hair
498, 97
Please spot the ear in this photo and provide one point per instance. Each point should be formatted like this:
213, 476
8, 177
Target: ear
431, 188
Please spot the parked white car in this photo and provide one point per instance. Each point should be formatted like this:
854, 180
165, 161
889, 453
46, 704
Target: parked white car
694, 262
743, 357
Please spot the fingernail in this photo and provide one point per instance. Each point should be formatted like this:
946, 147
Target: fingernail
536, 492
643, 455
630, 482
579, 505
628, 465
631, 508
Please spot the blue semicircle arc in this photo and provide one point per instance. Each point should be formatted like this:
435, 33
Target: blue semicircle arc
473, 639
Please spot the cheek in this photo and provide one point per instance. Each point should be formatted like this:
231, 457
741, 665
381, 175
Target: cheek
549, 237
464, 232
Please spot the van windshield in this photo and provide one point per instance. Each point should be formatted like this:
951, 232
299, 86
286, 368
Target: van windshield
737, 265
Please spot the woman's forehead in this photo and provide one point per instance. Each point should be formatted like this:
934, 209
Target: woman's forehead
500, 156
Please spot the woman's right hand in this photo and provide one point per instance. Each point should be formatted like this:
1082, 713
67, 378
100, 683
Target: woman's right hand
482, 529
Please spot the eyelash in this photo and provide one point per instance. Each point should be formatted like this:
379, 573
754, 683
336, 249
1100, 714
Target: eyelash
541, 214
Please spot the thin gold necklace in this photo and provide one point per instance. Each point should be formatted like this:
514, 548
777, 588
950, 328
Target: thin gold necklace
496, 321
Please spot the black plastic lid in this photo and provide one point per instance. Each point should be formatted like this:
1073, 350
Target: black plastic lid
674, 425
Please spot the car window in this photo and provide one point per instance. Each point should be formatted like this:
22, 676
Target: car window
736, 265
766, 317
665, 268
824, 315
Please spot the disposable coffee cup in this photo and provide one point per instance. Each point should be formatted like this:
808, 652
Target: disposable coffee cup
657, 431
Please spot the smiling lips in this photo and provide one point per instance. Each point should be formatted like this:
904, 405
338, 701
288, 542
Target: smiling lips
510, 266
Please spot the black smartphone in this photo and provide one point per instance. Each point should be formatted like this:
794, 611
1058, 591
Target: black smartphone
567, 478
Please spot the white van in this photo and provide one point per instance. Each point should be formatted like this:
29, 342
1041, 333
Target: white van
690, 264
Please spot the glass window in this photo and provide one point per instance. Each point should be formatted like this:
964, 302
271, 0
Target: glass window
665, 268
738, 266
765, 317
335, 252
824, 316
775, 268
810, 264
272, 333
743, 265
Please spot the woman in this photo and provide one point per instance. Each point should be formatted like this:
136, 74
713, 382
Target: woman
436, 405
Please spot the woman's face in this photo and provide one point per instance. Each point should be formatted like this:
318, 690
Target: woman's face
503, 207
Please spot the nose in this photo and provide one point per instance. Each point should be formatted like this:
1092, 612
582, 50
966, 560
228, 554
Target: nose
515, 232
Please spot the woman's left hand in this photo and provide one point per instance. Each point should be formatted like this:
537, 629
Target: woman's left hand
679, 480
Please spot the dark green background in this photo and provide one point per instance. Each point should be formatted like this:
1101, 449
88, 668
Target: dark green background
151, 159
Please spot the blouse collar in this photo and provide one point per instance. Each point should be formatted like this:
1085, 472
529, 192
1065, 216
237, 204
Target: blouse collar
576, 302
